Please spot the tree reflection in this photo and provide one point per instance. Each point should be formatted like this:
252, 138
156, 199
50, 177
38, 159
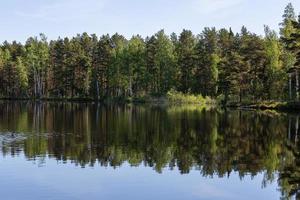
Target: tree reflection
289, 173
216, 142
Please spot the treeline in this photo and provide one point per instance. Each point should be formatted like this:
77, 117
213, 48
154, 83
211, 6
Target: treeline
217, 63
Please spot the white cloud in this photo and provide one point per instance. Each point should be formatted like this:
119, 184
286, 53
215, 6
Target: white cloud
206, 190
214, 6
65, 10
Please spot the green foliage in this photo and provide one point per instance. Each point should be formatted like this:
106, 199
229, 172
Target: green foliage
238, 66
164, 64
135, 66
186, 60
207, 63
179, 97
22, 75
37, 62
288, 16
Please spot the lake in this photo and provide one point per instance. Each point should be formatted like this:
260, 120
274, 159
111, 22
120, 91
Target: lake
93, 151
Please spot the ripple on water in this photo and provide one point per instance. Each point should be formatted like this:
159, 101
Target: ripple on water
9, 138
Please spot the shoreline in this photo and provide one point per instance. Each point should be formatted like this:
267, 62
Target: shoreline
264, 105
142, 100
172, 97
268, 105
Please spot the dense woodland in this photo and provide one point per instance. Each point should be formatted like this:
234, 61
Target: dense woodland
217, 63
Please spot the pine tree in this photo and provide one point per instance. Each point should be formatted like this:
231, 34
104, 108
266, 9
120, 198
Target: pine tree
56, 78
117, 70
161, 63
102, 56
165, 60
274, 75
288, 58
151, 68
207, 72
293, 44
136, 66
22, 77
286, 25
228, 59
10, 58
4, 59
186, 60
253, 50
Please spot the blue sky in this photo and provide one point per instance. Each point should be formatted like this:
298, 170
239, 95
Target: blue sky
23, 18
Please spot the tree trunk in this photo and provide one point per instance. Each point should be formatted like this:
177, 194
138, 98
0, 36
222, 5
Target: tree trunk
296, 129
297, 85
130, 87
35, 80
39, 84
226, 97
289, 128
97, 90
290, 86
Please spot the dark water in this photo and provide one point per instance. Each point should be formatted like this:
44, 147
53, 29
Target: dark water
87, 151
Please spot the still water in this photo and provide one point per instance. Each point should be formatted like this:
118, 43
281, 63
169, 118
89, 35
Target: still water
88, 151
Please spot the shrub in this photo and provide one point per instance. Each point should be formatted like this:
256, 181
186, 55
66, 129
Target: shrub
178, 97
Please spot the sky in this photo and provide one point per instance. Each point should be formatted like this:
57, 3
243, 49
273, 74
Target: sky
20, 19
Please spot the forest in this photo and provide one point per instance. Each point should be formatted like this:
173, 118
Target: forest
219, 64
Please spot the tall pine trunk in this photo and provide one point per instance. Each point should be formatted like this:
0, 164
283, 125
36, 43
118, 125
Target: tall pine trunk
35, 82
130, 87
297, 85
97, 89
296, 129
240, 95
290, 86
226, 97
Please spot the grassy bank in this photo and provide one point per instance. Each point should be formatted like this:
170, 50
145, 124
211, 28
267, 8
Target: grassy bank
174, 97
180, 98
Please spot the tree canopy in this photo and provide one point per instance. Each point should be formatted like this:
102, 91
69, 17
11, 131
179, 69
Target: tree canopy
216, 63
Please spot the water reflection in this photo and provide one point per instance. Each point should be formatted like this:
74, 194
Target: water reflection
215, 142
